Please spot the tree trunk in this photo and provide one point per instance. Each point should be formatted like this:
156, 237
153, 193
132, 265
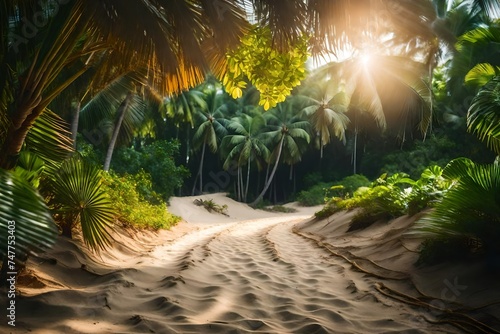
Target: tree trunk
122, 110
21, 122
238, 185
268, 183
74, 123
248, 181
321, 145
67, 229
200, 172
355, 150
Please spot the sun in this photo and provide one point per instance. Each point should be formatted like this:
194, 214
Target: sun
365, 59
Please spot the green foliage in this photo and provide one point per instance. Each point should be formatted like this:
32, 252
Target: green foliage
211, 206
435, 150
272, 72
348, 185
314, 195
33, 228
428, 190
319, 193
156, 159
484, 114
77, 197
131, 207
388, 197
470, 209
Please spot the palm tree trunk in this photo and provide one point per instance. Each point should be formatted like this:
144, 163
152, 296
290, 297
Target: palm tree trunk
200, 171
248, 181
187, 144
242, 185
238, 185
321, 145
267, 173
355, 150
74, 123
121, 115
268, 183
21, 122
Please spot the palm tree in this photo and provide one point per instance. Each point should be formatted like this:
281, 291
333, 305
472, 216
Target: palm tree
79, 34
286, 135
325, 106
182, 109
211, 128
244, 146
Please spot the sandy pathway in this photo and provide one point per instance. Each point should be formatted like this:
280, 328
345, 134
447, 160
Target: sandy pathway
251, 276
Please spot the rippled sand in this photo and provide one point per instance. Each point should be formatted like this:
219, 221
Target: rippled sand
251, 272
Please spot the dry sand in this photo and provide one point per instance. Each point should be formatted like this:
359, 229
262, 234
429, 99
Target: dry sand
251, 272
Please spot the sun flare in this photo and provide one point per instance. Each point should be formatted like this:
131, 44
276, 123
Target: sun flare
365, 59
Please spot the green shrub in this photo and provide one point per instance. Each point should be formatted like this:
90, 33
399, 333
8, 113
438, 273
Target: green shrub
134, 209
156, 159
314, 195
319, 193
349, 185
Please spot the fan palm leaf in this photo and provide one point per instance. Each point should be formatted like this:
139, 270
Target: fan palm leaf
78, 198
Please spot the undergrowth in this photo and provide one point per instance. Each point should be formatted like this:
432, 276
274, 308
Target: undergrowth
132, 207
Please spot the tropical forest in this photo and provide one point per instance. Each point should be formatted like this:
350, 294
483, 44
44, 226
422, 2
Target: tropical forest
250, 166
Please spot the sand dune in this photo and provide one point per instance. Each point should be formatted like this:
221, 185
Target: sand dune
251, 272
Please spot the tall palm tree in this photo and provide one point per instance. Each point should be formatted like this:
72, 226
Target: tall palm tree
324, 104
286, 136
244, 146
211, 128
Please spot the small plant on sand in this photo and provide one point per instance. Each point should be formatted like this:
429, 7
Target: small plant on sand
211, 206
279, 208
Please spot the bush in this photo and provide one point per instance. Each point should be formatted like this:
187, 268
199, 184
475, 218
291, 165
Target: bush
156, 159
314, 195
134, 209
319, 193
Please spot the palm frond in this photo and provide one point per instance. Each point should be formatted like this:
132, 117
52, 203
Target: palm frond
483, 117
481, 74
80, 199
50, 138
24, 218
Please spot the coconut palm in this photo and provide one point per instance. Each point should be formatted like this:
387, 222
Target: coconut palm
325, 106
211, 128
287, 137
243, 147
79, 34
